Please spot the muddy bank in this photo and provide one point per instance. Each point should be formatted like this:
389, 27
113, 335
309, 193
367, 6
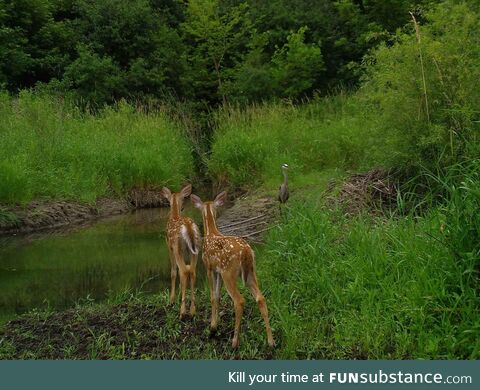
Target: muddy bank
44, 215
135, 329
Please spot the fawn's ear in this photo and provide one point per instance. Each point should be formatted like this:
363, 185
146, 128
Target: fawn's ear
220, 199
197, 202
186, 191
166, 193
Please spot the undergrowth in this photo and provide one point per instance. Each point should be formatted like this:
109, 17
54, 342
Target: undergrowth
51, 150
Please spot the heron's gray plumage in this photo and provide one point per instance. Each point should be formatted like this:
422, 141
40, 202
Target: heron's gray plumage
283, 193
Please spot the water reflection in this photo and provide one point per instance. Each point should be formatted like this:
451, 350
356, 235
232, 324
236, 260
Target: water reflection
59, 268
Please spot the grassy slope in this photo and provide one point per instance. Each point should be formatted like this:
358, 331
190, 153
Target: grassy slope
50, 150
331, 133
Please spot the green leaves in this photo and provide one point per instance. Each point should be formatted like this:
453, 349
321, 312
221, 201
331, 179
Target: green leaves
217, 40
95, 79
296, 65
210, 52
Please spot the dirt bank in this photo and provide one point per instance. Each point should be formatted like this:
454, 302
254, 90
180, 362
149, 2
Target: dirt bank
40, 215
135, 329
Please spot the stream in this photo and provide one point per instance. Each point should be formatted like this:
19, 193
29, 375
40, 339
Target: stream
60, 268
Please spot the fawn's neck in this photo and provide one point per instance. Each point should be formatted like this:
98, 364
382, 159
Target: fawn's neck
174, 209
209, 222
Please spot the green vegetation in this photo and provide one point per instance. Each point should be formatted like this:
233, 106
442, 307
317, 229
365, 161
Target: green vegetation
402, 282
396, 288
403, 285
393, 121
205, 51
250, 145
50, 150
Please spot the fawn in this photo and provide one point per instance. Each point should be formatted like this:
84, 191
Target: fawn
183, 238
228, 257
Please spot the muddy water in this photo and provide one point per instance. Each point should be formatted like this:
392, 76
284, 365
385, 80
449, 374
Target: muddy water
61, 268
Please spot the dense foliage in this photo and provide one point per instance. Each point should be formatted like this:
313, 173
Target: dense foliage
416, 109
207, 51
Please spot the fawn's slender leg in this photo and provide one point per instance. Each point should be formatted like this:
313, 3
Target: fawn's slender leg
193, 277
252, 284
211, 285
230, 280
216, 296
183, 286
218, 286
173, 274
183, 273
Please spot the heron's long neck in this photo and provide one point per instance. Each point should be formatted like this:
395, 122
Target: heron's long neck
285, 177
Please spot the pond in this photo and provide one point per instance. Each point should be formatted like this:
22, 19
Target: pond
61, 268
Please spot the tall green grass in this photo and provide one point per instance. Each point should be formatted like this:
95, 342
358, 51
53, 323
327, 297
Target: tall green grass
361, 288
50, 149
251, 144
429, 108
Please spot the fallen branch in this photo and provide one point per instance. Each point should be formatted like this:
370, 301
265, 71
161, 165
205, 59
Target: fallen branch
241, 222
244, 226
258, 231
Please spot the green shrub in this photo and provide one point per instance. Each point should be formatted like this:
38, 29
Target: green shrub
429, 110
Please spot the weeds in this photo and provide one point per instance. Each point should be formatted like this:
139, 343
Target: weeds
359, 288
51, 150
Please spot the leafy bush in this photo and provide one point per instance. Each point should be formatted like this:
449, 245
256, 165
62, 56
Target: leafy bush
424, 88
296, 66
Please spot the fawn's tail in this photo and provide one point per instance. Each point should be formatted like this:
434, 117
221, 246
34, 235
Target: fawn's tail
191, 236
248, 265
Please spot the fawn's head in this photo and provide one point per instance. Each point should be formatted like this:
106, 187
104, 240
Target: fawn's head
208, 210
176, 198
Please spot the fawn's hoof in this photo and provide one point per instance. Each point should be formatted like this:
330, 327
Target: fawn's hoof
193, 310
213, 331
235, 343
183, 314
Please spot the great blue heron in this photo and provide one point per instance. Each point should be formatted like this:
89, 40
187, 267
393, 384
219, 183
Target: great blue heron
283, 190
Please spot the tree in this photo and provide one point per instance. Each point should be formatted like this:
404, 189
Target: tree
216, 41
296, 66
95, 79
135, 43
33, 45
